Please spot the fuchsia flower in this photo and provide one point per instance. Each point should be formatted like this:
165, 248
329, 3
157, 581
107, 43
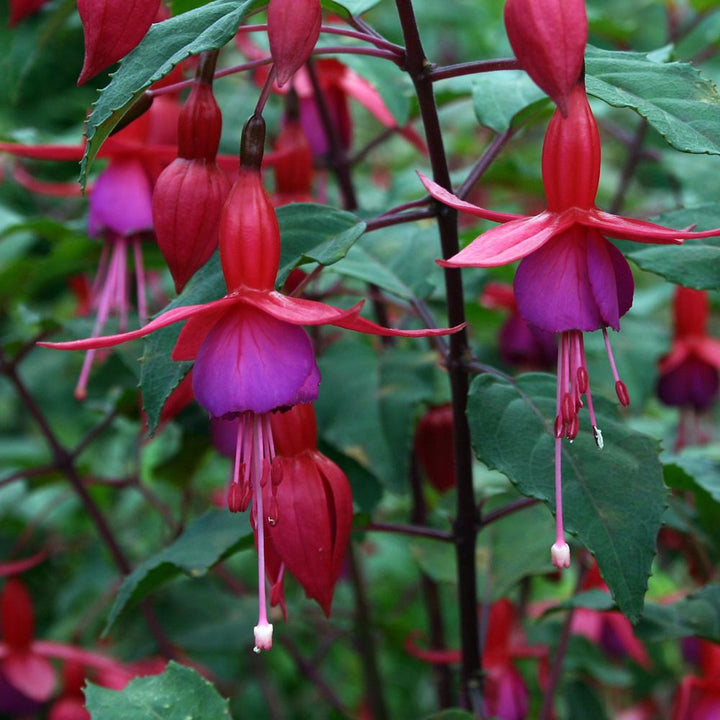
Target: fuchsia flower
689, 372
571, 279
120, 208
20, 9
698, 697
506, 696
252, 356
522, 345
293, 30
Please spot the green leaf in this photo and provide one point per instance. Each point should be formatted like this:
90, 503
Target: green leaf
500, 98
314, 233
697, 614
673, 97
452, 714
209, 539
309, 233
693, 264
180, 693
361, 265
582, 701
613, 498
165, 45
343, 8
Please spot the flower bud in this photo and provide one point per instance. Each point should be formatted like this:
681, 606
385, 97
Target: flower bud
549, 38
293, 30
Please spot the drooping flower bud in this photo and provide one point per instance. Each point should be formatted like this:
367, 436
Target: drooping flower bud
549, 38
112, 29
190, 193
293, 30
293, 159
434, 447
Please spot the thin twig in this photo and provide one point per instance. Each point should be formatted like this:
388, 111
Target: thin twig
471, 68
415, 530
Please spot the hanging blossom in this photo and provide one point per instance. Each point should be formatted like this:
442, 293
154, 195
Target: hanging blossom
307, 505
120, 208
698, 697
252, 357
689, 372
571, 279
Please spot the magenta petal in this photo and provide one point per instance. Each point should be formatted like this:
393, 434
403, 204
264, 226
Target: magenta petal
447, 198
251, 361
121, 200
553, 289
610, 287
31, 674
512, 241
693, 383
167, 318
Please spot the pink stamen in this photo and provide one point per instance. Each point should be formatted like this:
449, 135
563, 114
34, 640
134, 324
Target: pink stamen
559, 427
620, 387
560, 551
140, 281
105, 303
260, 428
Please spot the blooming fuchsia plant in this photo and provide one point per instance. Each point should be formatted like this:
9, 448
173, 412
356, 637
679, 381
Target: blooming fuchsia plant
394, 475
571, 279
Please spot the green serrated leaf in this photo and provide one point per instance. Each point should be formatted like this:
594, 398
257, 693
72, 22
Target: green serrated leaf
605, 492
500, 97
166, 44
693, 264
361, 265
674, 98
209, 539
314, 233
180, 693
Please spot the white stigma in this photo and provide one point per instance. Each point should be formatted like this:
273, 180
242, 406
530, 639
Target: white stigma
560, 552
597, 434
263, 637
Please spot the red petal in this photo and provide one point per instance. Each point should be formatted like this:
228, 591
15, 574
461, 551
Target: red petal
360, 324
20, 9
436, 657
43, 187
296, 310
193, 333
167, 318
44, 152
31, 674
708, 349
112, 29
447, 198
512, 241
638, 230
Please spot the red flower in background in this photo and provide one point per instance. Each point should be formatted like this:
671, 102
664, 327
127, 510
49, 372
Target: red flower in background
689, 372
698, 697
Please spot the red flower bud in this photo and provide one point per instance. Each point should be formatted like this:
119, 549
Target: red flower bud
293, 30
293, 165
549, 38
16, 615
434, 447
190, 193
